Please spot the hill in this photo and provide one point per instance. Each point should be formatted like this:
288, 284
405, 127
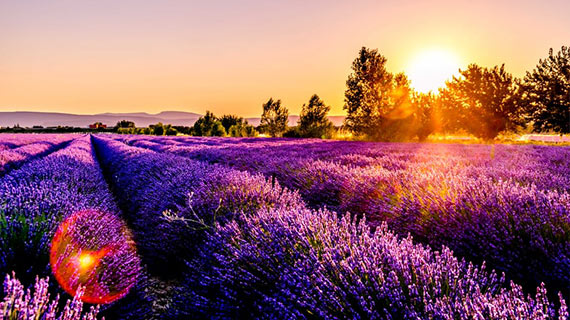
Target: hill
141, 119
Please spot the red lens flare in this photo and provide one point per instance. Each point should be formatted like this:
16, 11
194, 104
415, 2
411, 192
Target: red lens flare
94, 250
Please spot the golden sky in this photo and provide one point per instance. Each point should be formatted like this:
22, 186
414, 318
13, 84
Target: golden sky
230, 56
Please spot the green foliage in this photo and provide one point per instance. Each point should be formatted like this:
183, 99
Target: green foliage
125, 124
24, 243
170, 131
547, 92
293, 132
313, 121
237, 126
229, 120
367, 93
274, 118
157, 129
208, 126
242, 130
426, 115
378, 103
482, 101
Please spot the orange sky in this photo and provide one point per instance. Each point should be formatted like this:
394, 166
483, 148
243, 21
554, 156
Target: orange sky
231, 56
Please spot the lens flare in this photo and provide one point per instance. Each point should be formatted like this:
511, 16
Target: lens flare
94, 250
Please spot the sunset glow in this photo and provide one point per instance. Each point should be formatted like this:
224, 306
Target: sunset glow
429, 70
229, 57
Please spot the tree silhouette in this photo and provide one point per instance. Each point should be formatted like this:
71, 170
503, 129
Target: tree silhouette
482, 101
208, 125
274, 118
547, 92
157, 129
125, 124
426, 116
229, 120
313, 121
367, 96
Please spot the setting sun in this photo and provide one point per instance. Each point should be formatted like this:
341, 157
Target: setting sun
429, 70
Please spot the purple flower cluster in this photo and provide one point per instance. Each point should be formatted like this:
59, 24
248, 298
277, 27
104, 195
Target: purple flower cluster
35, 198
506, 205
299, 229
171, 201
36, 304
14, 155
306, 264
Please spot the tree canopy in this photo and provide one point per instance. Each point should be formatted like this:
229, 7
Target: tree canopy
547, 92
208, 125
274, 118
313, 120
482, 101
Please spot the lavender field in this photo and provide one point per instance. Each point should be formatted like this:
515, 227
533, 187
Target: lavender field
143, 227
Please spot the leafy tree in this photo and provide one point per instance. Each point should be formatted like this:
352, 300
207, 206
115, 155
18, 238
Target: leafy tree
125, 124
482, 101
313, 121
237, 126
157, 129
229, 120
426, 114
208, 125
546, 92
367, 97
242, 130
183, 129
170, 131
274, 118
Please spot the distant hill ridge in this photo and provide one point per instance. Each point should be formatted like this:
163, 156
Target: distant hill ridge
141, 119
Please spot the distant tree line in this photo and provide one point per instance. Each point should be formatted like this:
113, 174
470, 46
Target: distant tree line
207, 125
381, 106
480, 101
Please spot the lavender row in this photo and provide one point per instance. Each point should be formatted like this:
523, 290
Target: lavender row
14, 158
14, 140
546, 167
171, 201
304, 264
278, 259
34, 200
511, 213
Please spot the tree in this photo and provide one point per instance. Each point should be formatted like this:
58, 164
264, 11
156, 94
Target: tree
274, 118
229, 120
125, 124
425, 114
208, 125
546, 92
482, 101
313, 121
242, 130
367, 97
237, 126
157, 129
170, 131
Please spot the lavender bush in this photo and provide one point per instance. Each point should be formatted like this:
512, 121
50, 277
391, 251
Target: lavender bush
36, 304
507, 205
282, 228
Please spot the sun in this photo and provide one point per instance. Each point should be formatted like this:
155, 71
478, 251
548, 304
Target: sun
429, 70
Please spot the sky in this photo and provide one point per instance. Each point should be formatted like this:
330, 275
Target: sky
226, 56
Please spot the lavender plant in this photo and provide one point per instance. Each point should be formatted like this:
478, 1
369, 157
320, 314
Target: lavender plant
506, 205
36, 303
